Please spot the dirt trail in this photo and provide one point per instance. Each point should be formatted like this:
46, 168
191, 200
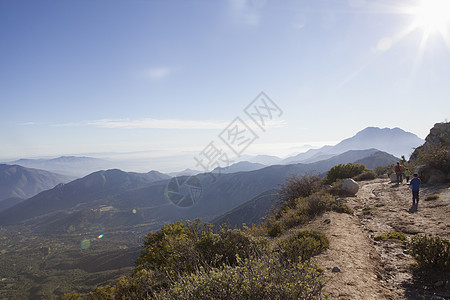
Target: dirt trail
383, 270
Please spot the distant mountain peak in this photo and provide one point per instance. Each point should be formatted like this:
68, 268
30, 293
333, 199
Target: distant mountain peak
394, 141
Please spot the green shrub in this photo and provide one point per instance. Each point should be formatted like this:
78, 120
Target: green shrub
172, 249
182, 248
344, 171
229, 244
431, 197
381, 170
251, 279
274, 228
101, 292
366, 175
303, 245
305, 210
71, 296
393, 235
340, 207
296, 187
368, 211
431, 252
317, 203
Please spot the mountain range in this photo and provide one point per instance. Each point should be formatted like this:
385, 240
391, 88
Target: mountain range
114, 198
394, 141
18, 183
111, 210
74, 166
146, 192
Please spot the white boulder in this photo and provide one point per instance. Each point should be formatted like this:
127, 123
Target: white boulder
350, 186
393, 177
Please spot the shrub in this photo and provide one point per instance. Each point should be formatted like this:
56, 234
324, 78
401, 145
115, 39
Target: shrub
368, 211
344, 171
393, 235
340, 207
229, 244
178, 248
431, 252
263, 278
296, 187
71, 296
381, 170
172, 249
303, 245
305, 209
317, 203
274, 228
336, 188
366, 175
431, 197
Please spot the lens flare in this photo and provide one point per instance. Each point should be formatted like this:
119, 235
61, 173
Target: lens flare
100, 236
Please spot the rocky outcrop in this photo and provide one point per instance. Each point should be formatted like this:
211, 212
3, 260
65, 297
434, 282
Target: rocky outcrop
439, 136
434, 155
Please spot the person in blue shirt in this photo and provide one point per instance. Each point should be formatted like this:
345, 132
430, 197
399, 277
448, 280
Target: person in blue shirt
415, 186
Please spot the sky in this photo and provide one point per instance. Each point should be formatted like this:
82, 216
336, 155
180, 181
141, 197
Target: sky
153, 78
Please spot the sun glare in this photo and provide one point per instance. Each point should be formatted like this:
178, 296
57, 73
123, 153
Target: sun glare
433, 16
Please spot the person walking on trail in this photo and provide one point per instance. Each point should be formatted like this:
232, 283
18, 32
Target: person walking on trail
415, 187
407, 175
398, 171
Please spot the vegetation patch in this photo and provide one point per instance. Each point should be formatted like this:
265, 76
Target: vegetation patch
368, 211
304, 210
303, 245
384, 170
431, 252
250, 279
344, 171
296, 187
393, 235
366, 175
431, 197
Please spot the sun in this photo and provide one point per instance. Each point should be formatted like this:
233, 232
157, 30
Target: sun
432, 16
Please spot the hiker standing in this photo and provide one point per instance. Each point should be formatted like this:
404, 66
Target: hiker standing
398, 171
407, 174
415, 186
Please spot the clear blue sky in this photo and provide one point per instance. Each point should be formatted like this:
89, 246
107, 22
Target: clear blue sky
94, 76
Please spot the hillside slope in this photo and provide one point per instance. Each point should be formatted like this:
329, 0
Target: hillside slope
20, 182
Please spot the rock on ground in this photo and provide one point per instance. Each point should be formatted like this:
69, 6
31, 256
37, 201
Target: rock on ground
350, 186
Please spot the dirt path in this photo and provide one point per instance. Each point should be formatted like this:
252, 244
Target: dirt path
383, 270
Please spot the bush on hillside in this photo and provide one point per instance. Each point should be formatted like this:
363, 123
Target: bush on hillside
431, 252
305, 210
296, 187
263, 278
344, 171
303, 245
366, 175
182, 248
393, 235
382, 170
